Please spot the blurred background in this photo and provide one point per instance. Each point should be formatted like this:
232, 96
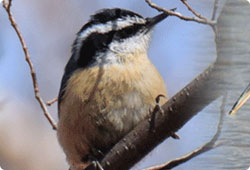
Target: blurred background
180, 50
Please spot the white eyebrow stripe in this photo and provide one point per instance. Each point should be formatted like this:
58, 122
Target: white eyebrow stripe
109, 26
120, 23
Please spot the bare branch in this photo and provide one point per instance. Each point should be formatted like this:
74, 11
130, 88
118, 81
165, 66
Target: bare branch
214, 10
7, 7
49, 103
202, 21
214, 15
193, 11
204, 148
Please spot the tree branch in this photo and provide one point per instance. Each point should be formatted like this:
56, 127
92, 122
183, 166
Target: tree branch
7, 7
214, 9
193, 11
173, 13
49, 103
204, 148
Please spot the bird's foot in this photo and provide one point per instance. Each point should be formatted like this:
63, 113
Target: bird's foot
159, 109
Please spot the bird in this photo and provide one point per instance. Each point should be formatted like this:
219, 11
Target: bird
109, 84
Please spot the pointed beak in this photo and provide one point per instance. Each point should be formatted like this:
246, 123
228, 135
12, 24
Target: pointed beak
242, 100
151, 22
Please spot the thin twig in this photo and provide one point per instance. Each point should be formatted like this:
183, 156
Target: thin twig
214, 10
204, 148
193, 11
202, 21
49, 103
7, 7
213, 16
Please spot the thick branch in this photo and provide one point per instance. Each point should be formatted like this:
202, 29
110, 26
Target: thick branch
204, 148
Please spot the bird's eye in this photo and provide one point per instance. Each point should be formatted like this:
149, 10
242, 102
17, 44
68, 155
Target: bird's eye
128, 31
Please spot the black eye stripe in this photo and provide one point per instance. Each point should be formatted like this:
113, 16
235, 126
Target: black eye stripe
98, 42
129, 31
94, 42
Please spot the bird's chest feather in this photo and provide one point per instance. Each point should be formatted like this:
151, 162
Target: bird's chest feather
110, 98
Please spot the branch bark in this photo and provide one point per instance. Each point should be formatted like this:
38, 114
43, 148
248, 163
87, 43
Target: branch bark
204, 148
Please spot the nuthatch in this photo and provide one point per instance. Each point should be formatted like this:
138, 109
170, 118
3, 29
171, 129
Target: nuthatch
109, 84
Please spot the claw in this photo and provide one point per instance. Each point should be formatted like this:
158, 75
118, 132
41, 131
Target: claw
156, 109
97, 165
157, 100
174, 136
